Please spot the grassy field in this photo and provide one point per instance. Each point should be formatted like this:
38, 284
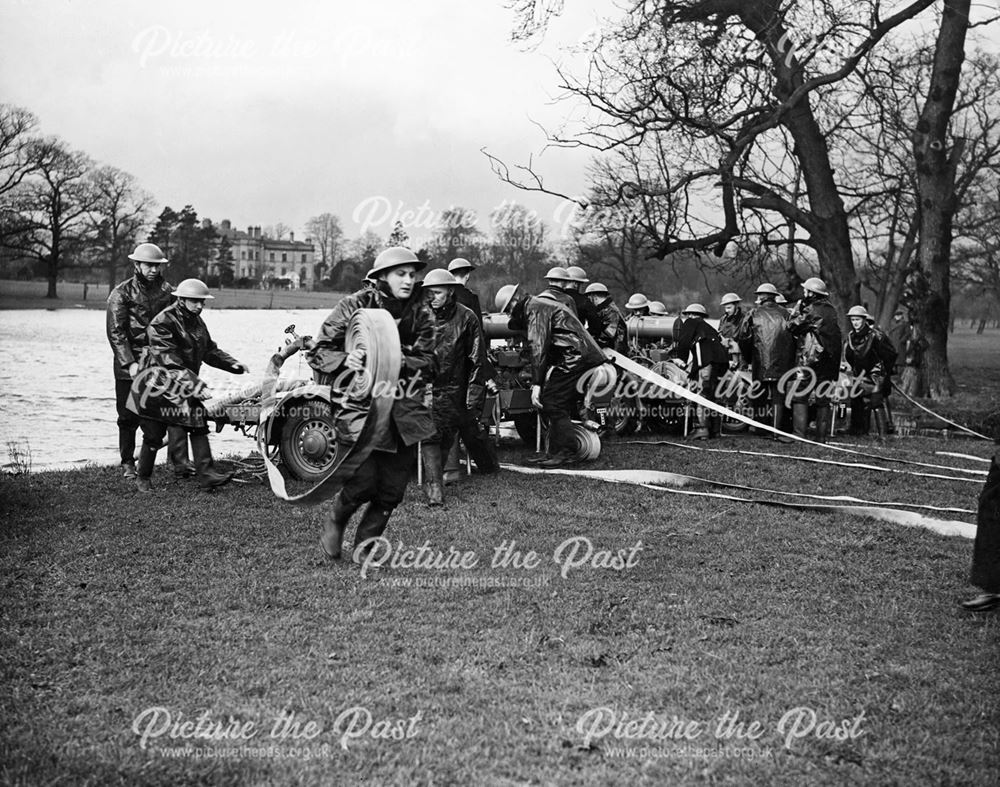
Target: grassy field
31, 295
217, 610
194, 638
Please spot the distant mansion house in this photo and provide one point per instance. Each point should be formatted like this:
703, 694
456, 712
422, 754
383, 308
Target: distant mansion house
256, 256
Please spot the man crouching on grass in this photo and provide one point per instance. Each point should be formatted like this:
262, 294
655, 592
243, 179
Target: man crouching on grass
381, 479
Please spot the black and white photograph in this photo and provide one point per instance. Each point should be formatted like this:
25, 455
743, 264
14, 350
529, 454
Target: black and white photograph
511, 392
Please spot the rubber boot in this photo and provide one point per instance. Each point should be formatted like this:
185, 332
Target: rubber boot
372, 525
881, 424
890, 424
715, 426
701, 431
126, 449
433, 472
177, 450
778, 421
453, 467
208, 476
823, 417
800, 418
333, 531
144, 468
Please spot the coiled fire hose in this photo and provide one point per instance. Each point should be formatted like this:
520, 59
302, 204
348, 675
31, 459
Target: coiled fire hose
373, 331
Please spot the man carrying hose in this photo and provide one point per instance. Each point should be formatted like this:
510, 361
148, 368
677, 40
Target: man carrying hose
381, 479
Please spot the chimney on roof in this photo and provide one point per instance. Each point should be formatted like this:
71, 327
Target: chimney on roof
250, 231
226, 226
256, 232
291, 237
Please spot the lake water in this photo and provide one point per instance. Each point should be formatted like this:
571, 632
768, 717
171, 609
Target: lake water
57, 393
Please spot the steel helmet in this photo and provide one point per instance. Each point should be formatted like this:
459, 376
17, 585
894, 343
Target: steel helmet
696, 308
193, 288
658, 309
505, 296
439, 277
576, 273
859, 311
779, 298
558, 274
767, 289
392, 258
815, 285
596, 289
637, 301
149, 253
730, 297
460, 264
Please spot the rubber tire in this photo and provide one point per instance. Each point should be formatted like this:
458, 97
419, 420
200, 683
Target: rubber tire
312, 420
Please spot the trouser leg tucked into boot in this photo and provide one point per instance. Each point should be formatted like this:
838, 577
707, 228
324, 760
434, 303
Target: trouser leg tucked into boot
372, 525
178, 452
208, 476
336, 523
433, 472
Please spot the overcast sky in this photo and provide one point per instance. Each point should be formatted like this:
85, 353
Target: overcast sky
275, 112
266, 112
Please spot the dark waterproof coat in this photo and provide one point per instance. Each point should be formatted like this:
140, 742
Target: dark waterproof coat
586, 312
700, 340
132, 305
411, 417
729, 325
461, 355
611, 326
773, 351
179, 343
564, 297
818, 338
861, 352
469, 300
557, 338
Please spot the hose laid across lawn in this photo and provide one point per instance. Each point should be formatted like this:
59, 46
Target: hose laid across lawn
880, 512
679, 390
374, 390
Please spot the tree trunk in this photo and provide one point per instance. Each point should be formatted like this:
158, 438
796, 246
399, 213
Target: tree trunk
936, 191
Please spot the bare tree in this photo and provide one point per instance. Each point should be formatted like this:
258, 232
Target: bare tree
54, 204
516, 243
733, 85
119, 211
327, 234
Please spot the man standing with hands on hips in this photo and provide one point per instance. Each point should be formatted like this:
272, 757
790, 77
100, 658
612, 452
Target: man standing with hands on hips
132, 305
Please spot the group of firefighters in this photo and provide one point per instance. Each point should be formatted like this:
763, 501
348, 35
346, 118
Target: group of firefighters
572, 326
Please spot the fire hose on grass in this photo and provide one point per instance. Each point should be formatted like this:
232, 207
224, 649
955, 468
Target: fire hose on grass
884, 512
653, 378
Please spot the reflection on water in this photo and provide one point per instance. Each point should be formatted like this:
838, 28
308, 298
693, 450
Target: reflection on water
57, 385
